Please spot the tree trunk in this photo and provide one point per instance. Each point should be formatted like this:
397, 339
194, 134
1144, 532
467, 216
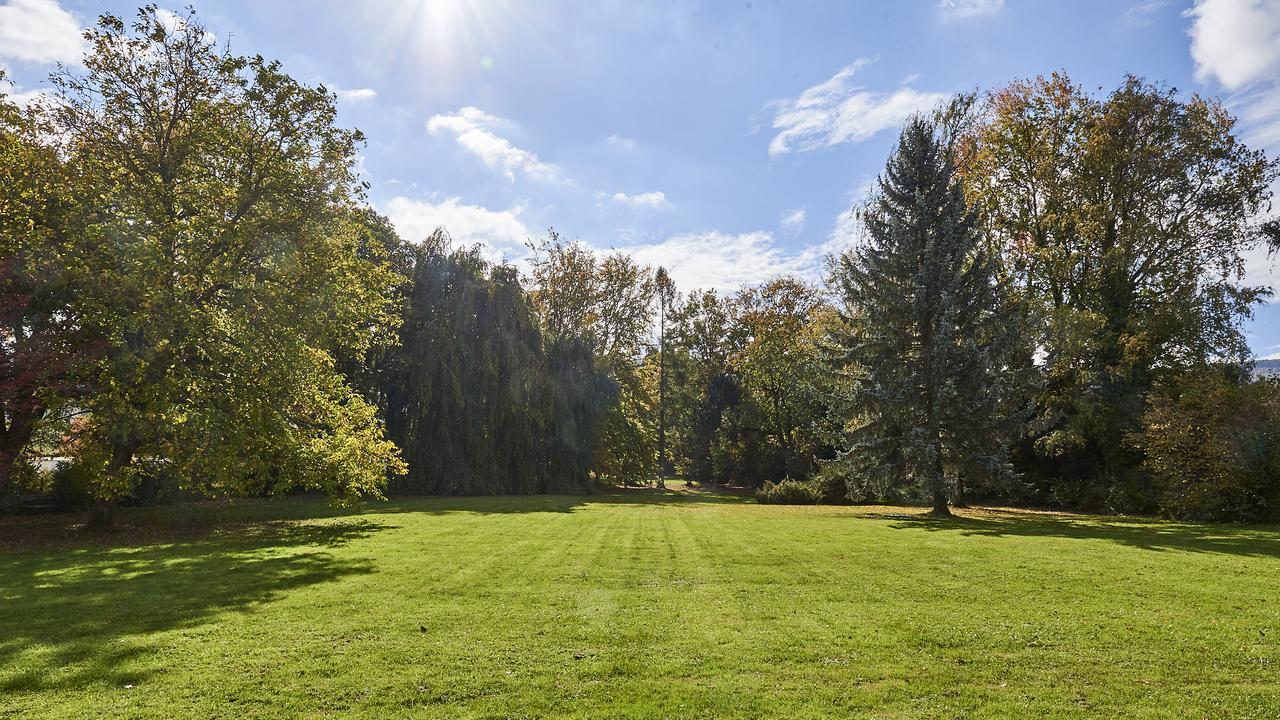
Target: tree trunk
940, 508
959, 500
938, 480
102, 514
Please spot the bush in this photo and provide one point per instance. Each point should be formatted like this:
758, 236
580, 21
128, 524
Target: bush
1213, 449
72, 485
789, 492
831, 487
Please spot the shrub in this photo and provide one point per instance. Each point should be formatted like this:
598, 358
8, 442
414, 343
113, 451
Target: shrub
1213, 449
72, 484
788, 492
831, 487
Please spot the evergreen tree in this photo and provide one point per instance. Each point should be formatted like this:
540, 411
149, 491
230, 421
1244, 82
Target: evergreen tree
924, 336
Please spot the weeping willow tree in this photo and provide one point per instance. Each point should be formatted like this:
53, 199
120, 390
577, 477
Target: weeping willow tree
479, 402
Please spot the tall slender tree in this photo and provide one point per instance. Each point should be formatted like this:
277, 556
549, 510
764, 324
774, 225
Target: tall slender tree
925, 332
666, 291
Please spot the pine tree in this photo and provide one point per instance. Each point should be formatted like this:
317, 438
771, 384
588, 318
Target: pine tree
925, 336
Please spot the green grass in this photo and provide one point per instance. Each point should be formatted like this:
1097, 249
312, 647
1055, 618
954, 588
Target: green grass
635, 604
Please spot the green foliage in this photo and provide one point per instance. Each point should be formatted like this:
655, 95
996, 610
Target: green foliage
477, 399
782, 375
925, 337
227, 269
788, 492
43, 343
73, 485
749, 386
1213, 448
1123, 221
703, 387
605, 303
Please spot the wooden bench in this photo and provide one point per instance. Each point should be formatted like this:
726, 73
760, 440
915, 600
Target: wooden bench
39, 502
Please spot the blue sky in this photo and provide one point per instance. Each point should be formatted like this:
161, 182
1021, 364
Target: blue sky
725, 140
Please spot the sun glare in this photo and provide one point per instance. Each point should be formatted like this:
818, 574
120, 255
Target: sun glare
450, 36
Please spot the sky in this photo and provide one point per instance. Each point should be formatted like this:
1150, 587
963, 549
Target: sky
727, 141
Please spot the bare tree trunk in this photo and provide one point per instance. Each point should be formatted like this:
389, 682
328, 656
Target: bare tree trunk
102, 514
959, 500
938, 481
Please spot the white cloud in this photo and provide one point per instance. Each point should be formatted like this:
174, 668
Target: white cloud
848, 229
39, 31
1236, 41
960, 9
1260, 268
793, 221
836, 111
1260, 111
725, 262
501, 231
622, 143
357, 95
474, 130
17, 95
846, 233
656, 199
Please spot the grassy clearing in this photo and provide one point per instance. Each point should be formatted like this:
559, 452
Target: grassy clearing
636, 604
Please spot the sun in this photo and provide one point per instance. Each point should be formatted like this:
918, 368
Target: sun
447, 35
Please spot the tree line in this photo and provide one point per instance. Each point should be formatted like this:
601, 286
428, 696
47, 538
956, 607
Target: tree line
1044, 305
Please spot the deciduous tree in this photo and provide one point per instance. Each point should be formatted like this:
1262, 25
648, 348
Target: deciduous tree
223, 268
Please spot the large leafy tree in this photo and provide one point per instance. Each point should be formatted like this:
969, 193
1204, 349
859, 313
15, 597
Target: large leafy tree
42, 343
223, 268
606, 303
701, 386
776, 362
925, 332
483, 404
1122, 221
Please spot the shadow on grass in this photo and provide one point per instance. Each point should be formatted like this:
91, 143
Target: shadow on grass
484, 504
1144, 533
78, 617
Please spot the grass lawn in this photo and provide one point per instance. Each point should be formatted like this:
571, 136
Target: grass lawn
635, 604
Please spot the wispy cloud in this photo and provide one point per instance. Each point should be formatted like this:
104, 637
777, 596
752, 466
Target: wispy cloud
357, 95
837, 111
656, 199
476, 131
622, 143
1141, 14
961, 9
1236, 43
39, 31
792, 221
718, 261
726, 262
